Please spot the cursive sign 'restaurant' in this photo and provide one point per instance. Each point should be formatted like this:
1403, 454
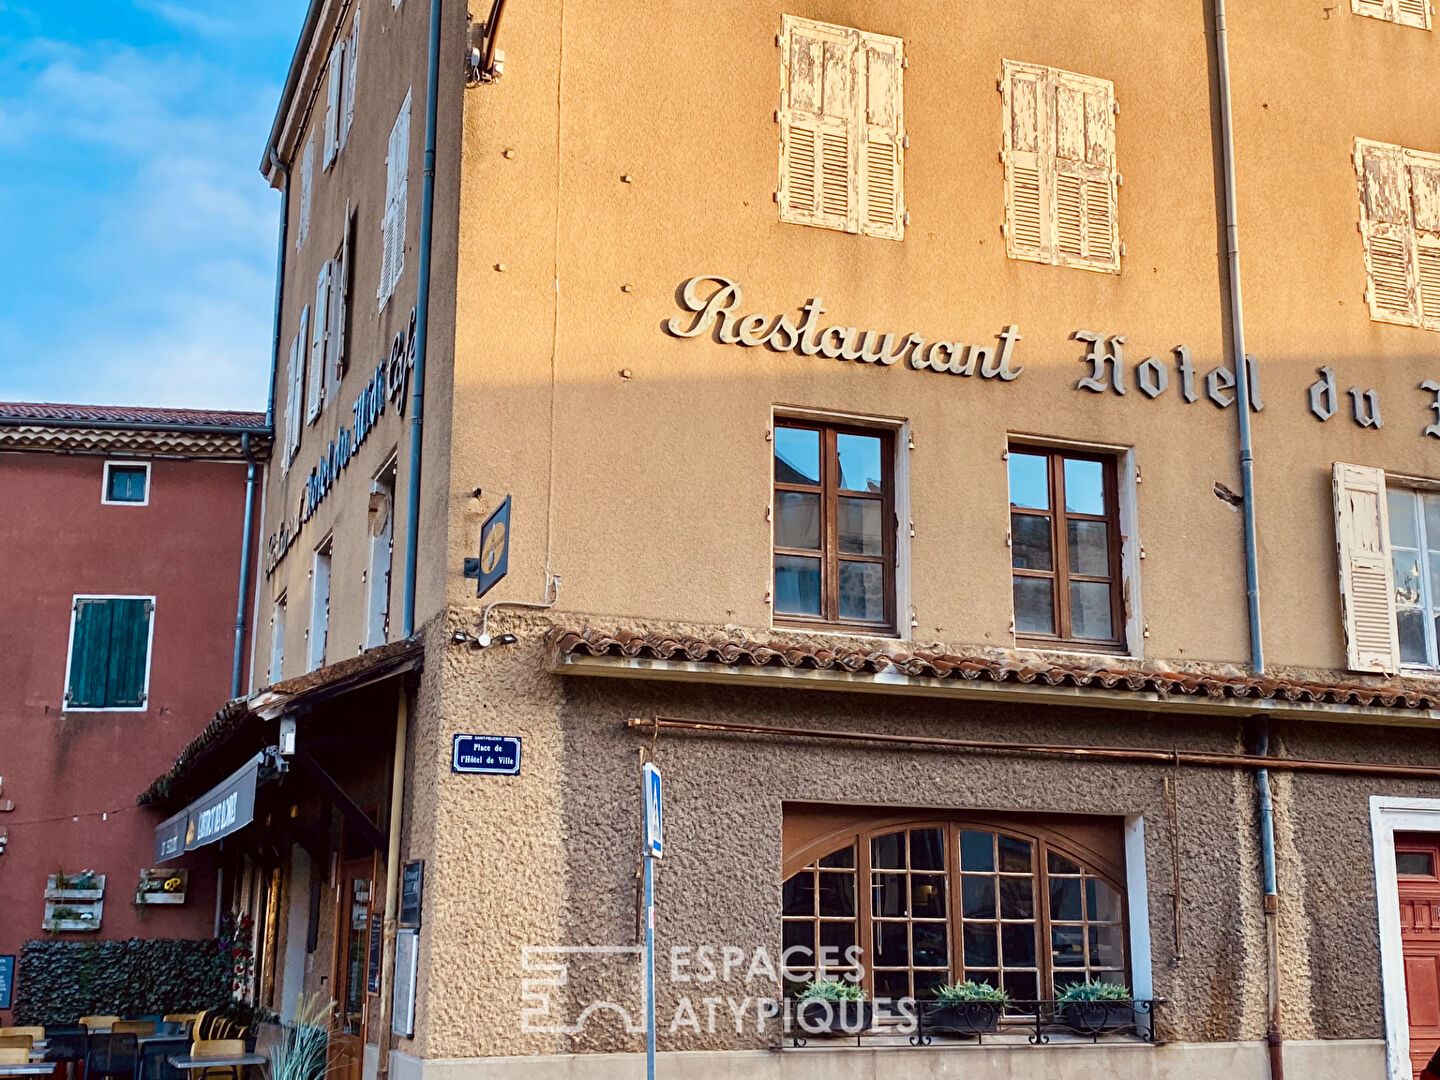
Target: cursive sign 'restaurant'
717, 312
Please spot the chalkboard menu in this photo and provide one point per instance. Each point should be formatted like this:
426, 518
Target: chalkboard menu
377, 939
7, 980
412, 892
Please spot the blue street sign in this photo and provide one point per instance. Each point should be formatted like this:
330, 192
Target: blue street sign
496, 755
654, 842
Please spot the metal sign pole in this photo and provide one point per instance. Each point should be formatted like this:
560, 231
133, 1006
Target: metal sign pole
654, 849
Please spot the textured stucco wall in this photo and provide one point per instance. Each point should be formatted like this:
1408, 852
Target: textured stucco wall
549, 857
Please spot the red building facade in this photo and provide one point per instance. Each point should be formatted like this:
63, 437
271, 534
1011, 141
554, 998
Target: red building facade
121, 534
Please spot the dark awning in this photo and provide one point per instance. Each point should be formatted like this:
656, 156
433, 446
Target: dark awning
224, 809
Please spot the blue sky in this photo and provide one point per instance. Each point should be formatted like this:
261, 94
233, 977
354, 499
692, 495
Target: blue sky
138, 235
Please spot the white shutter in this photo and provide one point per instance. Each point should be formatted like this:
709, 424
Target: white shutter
819, 125
352, 56
1083, 128
307, 175
397, 166
1367, 581
315, 394
340, 291
332, 101
295, 377
882, 190
1424, 180
1389, 237
1413, 13
1027, 180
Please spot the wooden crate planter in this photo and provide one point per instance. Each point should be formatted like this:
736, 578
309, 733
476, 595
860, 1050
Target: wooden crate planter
162, 886
54, 892
65, 916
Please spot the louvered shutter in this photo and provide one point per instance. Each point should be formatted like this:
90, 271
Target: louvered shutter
397, 165
1413, 13
303, 349
819, 125
1367, 583
315, 394
1389, 237
1375, 9
296, 379
335, 83
89, 653
1083, 130
1026, 187
340, 290
307, 176
1424, 183
882, 158
352, 57
128, 653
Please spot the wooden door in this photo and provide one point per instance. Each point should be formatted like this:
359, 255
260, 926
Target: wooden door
1417, 865
351, 961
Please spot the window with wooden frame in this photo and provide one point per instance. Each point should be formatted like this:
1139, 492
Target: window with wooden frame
1065, 547
1029, 906
842, 133
1414, 13
1400, 223
835, 526
1061, 182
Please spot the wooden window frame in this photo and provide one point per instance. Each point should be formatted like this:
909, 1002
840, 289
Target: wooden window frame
829, 553
1060, 573
1042, 842
70, 655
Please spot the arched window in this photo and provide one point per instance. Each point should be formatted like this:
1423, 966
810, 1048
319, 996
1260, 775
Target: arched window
1020, 908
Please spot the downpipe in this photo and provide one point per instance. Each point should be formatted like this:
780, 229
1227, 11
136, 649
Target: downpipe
240, 603
1274, 1042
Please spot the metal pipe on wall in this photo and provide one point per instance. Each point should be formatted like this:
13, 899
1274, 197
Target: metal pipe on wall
244, 567
392, 876
275, 333
1273, 1039
422, 324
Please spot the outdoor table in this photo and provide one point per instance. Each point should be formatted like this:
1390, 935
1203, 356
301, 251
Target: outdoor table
185, 1061
34, 1068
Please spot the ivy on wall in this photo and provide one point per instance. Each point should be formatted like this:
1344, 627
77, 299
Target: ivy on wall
60, 981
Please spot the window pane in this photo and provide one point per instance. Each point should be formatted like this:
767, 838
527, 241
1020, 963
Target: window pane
1107, 950
838, 936
1084, 487
980, 947
977, 850
1029, 481
1412, 636
927, 896
889, 896
860, 525
797, 520
800, 935
862, 591
1432, 521
1403, 531
927, 849
892, 944
1034, 606
1022, 986
1014, 855
127, 483
1059, 864
1017, 940
844, 858
927, 982
892, 985
1407, 577
859, 462
1068, 943
1089, 548
977, 897
1102, 903
932, 944
1065, 899
797, 585
888, 852
1090, 610
1017, 898
797, 456
800, 894
837, 894
1415, 863
1030, 542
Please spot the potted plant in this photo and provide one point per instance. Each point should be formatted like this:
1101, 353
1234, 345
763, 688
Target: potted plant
968, 1008
833, 1007
1093, 1007
303, 1051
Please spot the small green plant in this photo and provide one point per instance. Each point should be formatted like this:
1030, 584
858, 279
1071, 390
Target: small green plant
831, 990
65, 914
969, 991
303, 1053
1092, 991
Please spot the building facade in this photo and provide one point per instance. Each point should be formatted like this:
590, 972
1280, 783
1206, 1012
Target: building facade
122, 543
868, 386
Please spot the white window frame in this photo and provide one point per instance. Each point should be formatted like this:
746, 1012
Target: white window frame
899, 431
320, 628
1128, 472
1389, 815
1429, 603
276, 672
105, 499
374, 594
70, 653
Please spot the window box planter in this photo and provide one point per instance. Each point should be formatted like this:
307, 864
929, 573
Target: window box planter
1096, 1017
814, 1016
57, 888
73, 916
963, 1018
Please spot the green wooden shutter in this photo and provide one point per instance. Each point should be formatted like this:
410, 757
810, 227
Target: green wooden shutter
89, 655
129, 648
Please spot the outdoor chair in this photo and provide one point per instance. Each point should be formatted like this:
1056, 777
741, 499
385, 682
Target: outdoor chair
14, 1055
65, 1042
35, 1033
217, 1048
180, 1022
112, 1055
133, 1027
9, 1042
93, 1022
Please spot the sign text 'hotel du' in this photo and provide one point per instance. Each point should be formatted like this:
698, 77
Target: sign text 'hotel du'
714, 303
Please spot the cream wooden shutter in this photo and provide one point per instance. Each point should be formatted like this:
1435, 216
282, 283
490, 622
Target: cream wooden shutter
352, 57
397, 164
307, 176
819, 125
1423, 174
1375, 9
341, 292
295, 375
1027, 188
1413, 13
1386, 218
1082, 114
1367, 582
315, 396
336, 79
882, 154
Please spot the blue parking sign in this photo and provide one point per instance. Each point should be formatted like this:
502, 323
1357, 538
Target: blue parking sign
654, 842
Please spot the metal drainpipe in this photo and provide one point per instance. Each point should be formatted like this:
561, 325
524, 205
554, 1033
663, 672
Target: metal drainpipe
392, 877
422, 323
240, 604
279, 166
1273, 1037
